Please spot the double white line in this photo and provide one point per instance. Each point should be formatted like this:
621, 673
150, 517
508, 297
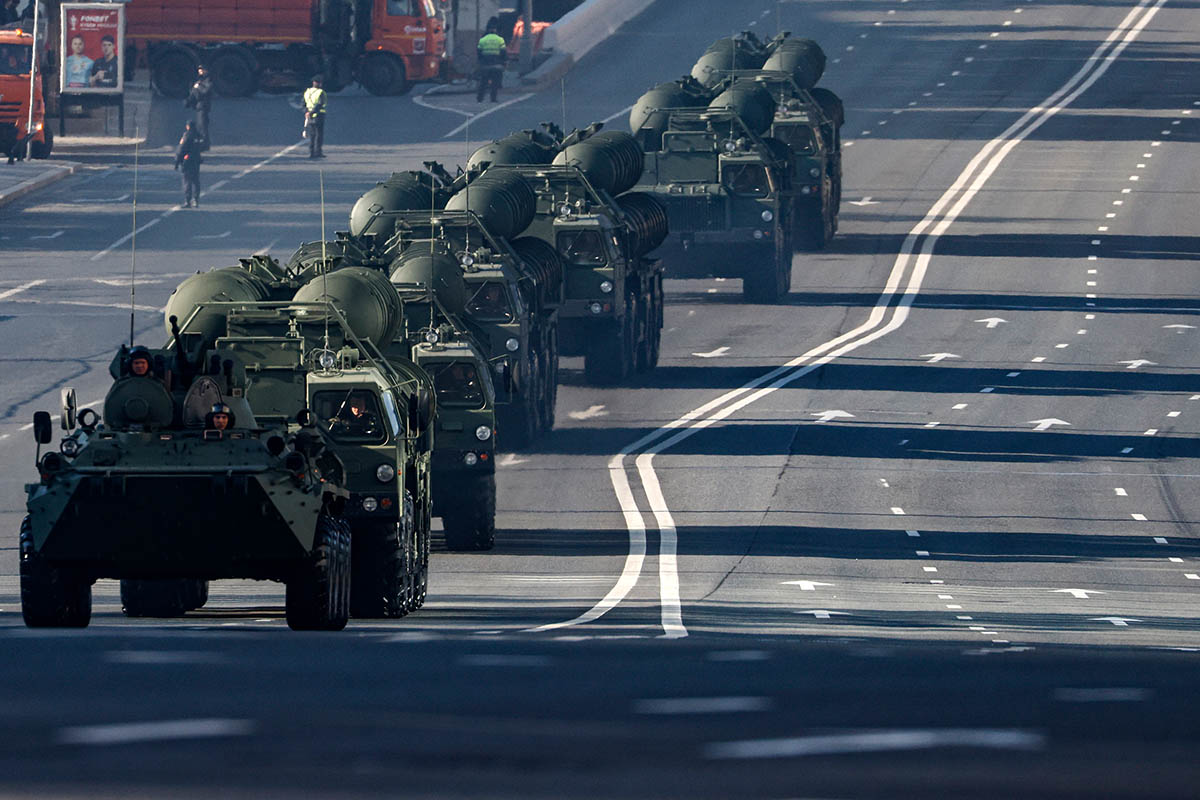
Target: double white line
888, 314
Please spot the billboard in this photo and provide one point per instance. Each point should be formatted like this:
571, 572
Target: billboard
92, 52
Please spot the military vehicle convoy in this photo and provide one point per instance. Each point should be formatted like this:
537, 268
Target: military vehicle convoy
267, 440
745, 155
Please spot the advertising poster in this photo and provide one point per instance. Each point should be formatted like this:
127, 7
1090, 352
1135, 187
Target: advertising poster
93, 49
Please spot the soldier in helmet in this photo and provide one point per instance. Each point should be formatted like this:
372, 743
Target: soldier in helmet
220, 418
140, 363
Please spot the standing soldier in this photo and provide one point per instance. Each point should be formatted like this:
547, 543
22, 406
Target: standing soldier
200, 98
314, 117
492, 55
187, 161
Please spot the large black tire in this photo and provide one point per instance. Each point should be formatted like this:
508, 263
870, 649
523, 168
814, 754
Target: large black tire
173, 72
50, 597
382, 74
318, 594
234, 72
550, 382
471, 524
771, 282
609, 356
813, 228
381, 584
423, 535
42, 149
520, 420
157, 598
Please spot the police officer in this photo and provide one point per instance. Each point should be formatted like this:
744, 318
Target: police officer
314, 117
492, 55
187, 161
200, 98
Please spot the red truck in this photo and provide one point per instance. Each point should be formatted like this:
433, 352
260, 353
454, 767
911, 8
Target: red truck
16, 126
384, 45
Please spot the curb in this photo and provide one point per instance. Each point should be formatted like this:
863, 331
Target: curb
57, 173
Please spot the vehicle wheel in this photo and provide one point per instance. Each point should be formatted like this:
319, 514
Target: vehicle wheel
421, 587
42, 149
472, 523
173, 72
550, 377
645, 347
378, 571
50, 597
157, 598
608, 355
198, 595
813, 228
766, 284
382, 74
234, 72
318, 594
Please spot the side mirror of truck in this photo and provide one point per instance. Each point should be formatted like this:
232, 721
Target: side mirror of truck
69, 409
43, 428
420, 406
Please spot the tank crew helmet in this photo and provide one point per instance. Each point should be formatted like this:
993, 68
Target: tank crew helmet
140, 362
220, 418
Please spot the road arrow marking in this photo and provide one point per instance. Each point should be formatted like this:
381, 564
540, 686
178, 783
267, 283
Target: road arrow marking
936, 357
821, 613
991, 322
806, 586
1138, 362
720, 351
1081, 594
826, 416
224, 235
866, 201
1044, 424
1120, 622
592, 411
510, 460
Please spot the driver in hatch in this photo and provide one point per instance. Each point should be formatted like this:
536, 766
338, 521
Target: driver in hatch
355, 419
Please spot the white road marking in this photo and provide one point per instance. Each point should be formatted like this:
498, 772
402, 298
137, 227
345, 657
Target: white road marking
16, 290
1139, 517
829, 416
953, 607
1126, 450
491, 110
1106, 695
876, 742
930, 569
420, 100
897, 510
223, 235
923, 553
1160, 540
1078, 594
1173, 413
1175, 559
701, 705
1012, 374
992, 322
54, 235
510, 460
1180, 326
1191, 576
720, 351
914, 534
932, 424
1038, 359
129, 732
1138, 362
821, 613
590, 413
98, 200
987, 390
1120, 622
866, 201
1120, 492
1151, 432
1045, 424
805, 586
959, 406
936, 357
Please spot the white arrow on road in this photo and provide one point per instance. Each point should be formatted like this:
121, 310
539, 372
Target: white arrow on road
806, 586
720, 351
510, 460
1180, 325
826, 416
1044, 424
54, 235
991, 322
1120, 622
592, 411
866, 201
936, 357
1138, 362
821, 613
1081, 594
212, 235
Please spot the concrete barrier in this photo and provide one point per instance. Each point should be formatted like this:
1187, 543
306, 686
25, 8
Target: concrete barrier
579, 31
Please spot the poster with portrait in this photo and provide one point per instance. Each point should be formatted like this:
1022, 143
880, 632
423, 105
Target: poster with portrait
92, 51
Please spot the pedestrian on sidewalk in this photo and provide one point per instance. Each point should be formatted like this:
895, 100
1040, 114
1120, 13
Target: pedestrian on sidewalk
492, 55
315, 100
187, 161
200, 99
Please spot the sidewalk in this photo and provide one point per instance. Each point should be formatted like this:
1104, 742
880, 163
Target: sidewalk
18, 180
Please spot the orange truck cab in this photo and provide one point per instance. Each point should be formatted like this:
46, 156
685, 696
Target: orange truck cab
16, 53
385, 45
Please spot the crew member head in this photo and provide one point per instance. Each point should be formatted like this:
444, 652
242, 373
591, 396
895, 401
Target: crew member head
220, 418
139, 362
318, 81
201, 71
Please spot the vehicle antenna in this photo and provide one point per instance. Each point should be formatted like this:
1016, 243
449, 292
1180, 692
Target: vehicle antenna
133, 241
562, 84
324, 259
33, 59
467, 151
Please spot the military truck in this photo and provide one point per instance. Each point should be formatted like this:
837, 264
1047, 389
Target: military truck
612, 309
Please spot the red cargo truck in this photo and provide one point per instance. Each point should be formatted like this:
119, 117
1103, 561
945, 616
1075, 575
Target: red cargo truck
383, 44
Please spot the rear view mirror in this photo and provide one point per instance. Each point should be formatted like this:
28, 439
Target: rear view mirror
69, 409
43, 428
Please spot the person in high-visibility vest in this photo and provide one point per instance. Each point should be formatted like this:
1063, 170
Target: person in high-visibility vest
492, 55
314, 117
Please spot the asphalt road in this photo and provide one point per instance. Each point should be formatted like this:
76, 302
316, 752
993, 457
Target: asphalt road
926, 529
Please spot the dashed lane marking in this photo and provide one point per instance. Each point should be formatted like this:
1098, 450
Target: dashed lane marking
875, 742
131, 732
701, 705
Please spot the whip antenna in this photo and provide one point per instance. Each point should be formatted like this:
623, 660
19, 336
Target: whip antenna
324, 258
133, 241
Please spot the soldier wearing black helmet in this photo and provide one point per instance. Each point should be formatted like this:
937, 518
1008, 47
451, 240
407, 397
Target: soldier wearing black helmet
141, 364
220, 418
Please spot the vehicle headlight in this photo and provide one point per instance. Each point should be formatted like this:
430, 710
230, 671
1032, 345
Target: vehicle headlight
729, 145
512, 345
69, 447
326, 359
606, 286
758, 234
466, 259
483, 433
565, 211
385, 473
470, 459
806, 190
370, 504
595, 308
814, 172
431, 336
767, 216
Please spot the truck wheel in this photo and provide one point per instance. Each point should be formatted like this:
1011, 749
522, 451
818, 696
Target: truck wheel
472, 523
174, 71
197, 595
813, 228
318, 593
608, 356
769, 283
382, 74
378, 585
234, 72
550, 379
50, 597
157, 598
645, 346
42, 149
421, 585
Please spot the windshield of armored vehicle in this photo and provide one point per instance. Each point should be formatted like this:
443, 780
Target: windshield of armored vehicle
14, 59
352, 415
457, 384
490, 302
800, 138
582, 248
746, 179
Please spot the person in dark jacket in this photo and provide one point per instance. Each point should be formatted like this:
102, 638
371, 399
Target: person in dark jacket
187, 161
200, 99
